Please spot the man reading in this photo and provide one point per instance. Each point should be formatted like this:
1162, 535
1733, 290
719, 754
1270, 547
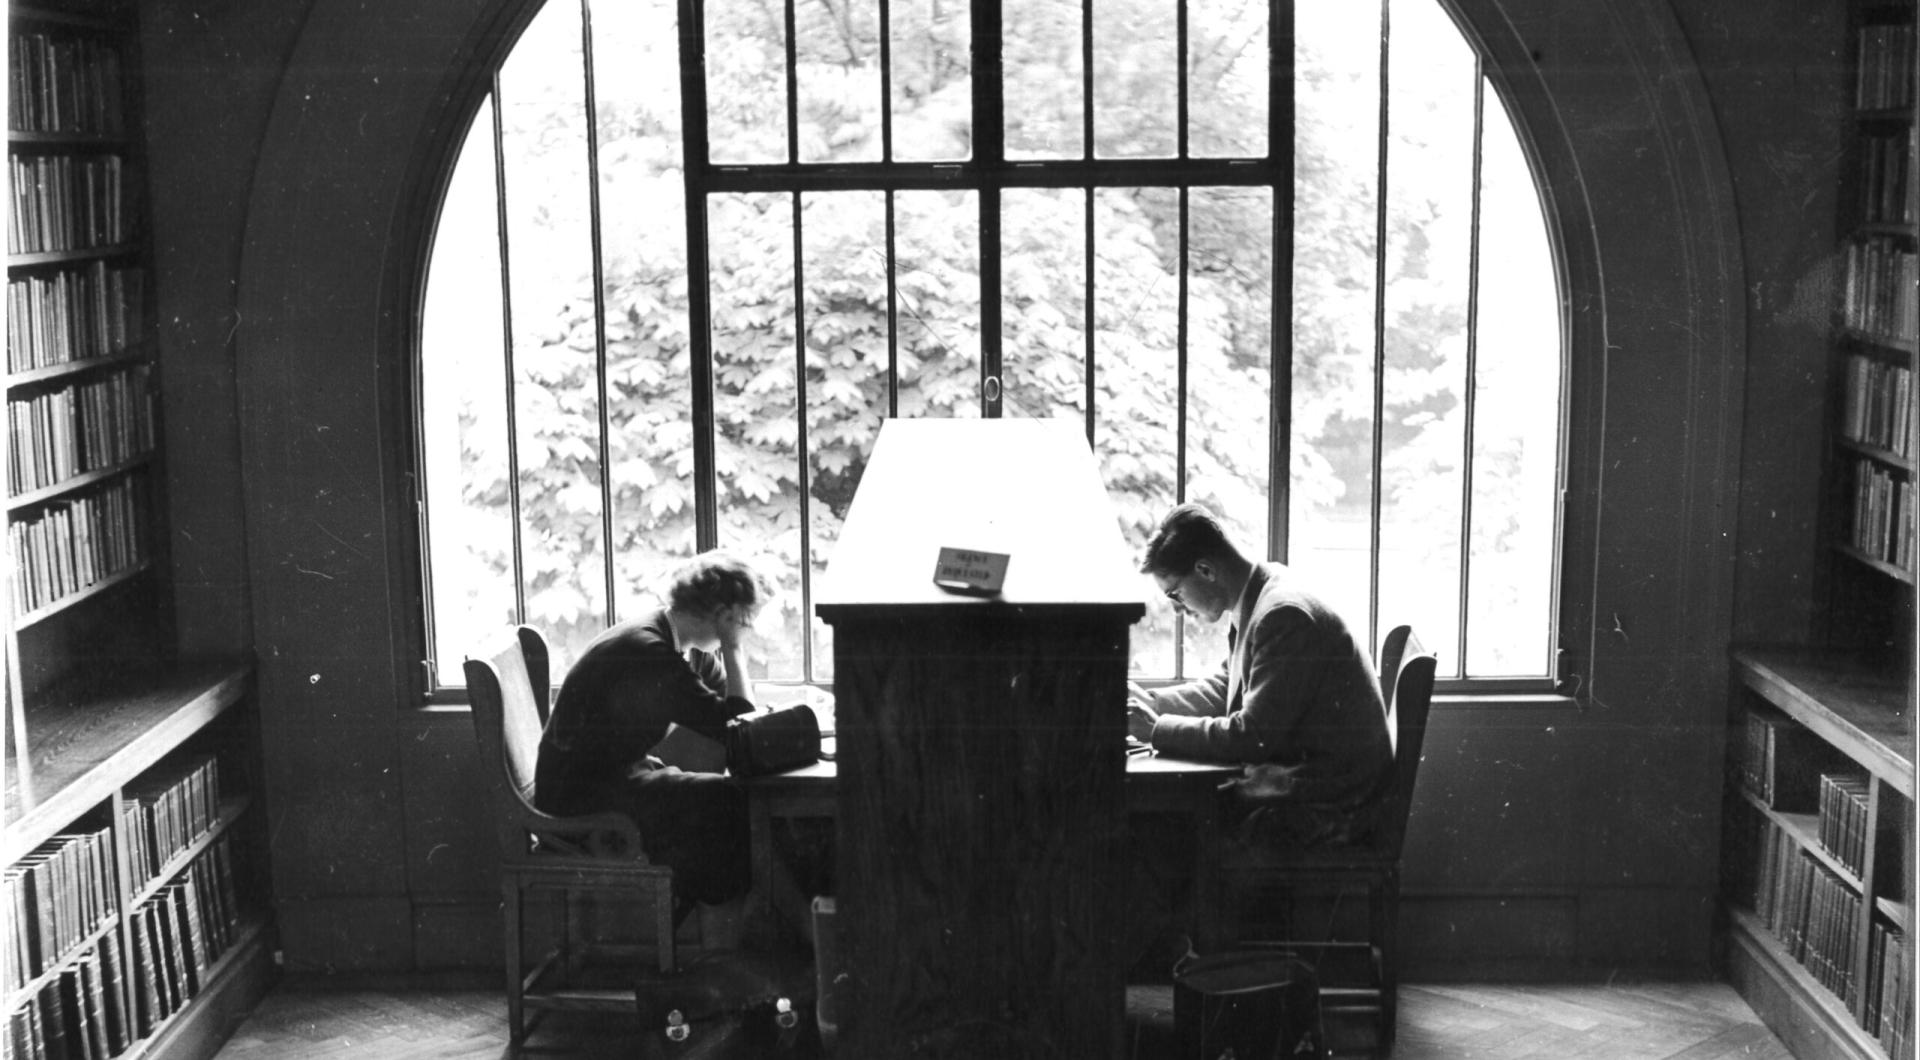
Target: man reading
1297, 699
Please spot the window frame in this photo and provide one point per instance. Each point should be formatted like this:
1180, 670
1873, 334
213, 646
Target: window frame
990, 177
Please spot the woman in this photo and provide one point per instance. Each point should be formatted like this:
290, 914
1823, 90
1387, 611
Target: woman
683, 665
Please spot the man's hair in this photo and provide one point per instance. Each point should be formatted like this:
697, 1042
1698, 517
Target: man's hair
712, 582
1187, 535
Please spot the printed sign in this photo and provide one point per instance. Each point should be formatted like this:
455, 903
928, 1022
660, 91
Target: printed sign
963, 570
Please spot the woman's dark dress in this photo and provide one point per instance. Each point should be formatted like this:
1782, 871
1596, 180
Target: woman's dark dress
614, 705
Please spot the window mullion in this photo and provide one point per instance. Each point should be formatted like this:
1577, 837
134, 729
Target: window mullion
886, 80
992, 389
506, 342
793, 85
1180, 79
1472, 367
1180, 351
1379, 329
1280, 315
989, 153
696, 172
599, 310
893, 313
1087, 312
804, 473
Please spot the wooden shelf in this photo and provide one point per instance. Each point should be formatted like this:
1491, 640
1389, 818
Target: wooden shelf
75, 483
46, 611
1876, 453
87, 745
101, 141
132, 355
67, 257
1759, 961
230, 810
235, 983
1866, 713
75, 19
1885, 342
1804, 829
14, 998
1897, 573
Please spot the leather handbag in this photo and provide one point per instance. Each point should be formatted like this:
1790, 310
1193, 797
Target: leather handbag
774, 742
1247, 1004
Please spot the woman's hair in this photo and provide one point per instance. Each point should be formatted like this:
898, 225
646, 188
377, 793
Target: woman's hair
712, 582
1187, 535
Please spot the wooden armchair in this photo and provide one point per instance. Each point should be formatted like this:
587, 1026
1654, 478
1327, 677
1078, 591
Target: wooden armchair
1372, 867
563, 856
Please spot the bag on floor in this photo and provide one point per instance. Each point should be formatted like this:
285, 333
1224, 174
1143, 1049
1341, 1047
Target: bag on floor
727, 1004
1247, 1005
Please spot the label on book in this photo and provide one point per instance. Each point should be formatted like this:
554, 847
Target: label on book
963, 570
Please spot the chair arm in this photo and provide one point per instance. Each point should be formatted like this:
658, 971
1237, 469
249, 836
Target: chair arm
598, 835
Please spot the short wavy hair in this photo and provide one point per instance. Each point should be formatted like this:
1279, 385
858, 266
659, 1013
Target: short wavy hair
712, 582
1187, 535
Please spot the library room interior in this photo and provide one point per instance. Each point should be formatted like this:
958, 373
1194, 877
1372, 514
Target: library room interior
954, 528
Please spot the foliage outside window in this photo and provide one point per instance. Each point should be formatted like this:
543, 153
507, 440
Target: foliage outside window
1100, 243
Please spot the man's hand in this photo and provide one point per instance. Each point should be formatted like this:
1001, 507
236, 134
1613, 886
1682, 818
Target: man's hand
1140, 719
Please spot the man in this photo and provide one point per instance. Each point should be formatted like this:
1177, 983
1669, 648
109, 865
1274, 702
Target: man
681, 664
1297, 698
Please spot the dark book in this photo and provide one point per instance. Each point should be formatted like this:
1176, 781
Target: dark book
230, 896
167, 942
193, 943
73, 1001
113, 987
21, 1042
53, 1022
146, 976
94, 994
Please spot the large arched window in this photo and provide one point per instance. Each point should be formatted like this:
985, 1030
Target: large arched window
1289, 263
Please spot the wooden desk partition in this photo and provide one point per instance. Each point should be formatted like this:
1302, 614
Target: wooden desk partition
980, 747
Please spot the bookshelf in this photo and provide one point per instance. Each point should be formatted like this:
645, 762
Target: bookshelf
1870, 510
133, 846
1819, 853
1818, 847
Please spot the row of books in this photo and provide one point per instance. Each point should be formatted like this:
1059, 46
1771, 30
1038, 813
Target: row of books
166, 811
56, 896
1882, 292
104, 1000
1885, 75
1883, 514
1885, 175
1809, 909
73, 314
66, 202
79, 1014
1780, 762
1877, 406
89, 425
1888, 1015
64, 84
1843, 819
71, 544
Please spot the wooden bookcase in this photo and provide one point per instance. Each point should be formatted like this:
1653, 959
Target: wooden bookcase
1818, 852
1819, 870
132, 843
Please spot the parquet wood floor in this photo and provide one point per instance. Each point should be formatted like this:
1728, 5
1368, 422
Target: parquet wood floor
1618, 1021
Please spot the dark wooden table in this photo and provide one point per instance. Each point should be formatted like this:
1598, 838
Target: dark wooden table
1153, 785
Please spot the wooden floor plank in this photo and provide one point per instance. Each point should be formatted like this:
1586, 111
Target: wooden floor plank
1451, 1021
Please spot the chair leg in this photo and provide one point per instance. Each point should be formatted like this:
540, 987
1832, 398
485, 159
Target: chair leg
1388, 931
510, 892
664, 923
